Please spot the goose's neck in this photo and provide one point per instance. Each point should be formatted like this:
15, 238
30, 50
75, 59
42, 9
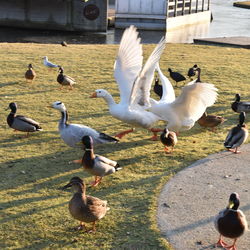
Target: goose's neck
64, 119
109, 99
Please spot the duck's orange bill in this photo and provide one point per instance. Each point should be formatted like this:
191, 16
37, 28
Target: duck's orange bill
93, 95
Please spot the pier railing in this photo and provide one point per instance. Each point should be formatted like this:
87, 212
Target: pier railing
186, 7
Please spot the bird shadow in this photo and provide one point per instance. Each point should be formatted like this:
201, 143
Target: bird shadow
2, 85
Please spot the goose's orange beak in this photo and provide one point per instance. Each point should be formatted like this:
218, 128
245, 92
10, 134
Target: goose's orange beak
93, 95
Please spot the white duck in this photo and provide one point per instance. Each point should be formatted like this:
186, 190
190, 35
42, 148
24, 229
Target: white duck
49, 64
72, 134
182, 112
129, 75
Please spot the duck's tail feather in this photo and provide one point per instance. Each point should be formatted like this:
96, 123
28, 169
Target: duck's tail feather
117, 167
108, 138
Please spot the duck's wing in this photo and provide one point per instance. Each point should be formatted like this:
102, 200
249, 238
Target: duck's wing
69, 79
105, 160
168, 94
141, 88
193, 100
128, 63
27, 120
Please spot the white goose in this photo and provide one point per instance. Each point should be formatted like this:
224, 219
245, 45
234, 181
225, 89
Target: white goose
130, 75
182, 112
72, 134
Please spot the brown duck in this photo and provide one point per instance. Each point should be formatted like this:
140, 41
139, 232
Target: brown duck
96, 165
168, 139
231, 222
210, 121
85, 208
30, 74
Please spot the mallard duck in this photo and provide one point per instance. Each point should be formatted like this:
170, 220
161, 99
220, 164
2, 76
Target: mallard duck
239, 106
237, 135
191, 71
157, 87
72, 134
65, 80
168, 139
97, 165
64, 44
30, 74
231, 222
182, 112
49, 64
210, 121
20, 122
176, 76
85, 208
129, 75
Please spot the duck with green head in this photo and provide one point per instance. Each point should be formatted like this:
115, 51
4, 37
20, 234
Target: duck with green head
231, 222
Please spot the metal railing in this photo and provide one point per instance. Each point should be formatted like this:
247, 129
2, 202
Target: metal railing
186, 7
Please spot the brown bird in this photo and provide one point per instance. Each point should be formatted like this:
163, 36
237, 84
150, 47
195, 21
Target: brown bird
231, 222
85, 208
168, 139
210, 121
30, 74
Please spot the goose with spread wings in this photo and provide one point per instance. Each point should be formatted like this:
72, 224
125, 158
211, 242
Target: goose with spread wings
182, 112
130, 76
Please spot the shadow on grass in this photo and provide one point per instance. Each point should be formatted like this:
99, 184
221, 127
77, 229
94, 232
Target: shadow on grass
2, 85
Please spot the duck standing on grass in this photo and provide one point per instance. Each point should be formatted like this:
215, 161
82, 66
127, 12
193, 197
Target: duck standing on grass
191, 71
65, 80
85, 208
72, 134
237, 135
30, 74
20, 122
168, 139
157, 87
238, 106
210, 121
231, 222
97, 165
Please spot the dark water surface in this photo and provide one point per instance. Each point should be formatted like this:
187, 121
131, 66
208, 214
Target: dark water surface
227, 21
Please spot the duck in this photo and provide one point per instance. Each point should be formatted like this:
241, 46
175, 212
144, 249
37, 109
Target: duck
176, 76
49, 64
83, 207
72, 134
157, 87
191, 71
231, 222
64, 43
20, 122
237, 135
210, 121
65, 80
168, 139
238, 106
30, 74
129, 75
96, 165
183, 111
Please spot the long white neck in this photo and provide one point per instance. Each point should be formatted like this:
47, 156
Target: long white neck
168, 94
109, 99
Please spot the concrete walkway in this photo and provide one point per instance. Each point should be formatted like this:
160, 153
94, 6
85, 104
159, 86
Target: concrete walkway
189, 202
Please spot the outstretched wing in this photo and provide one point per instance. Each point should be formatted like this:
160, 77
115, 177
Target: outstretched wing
194, 99
142, 85
128, 63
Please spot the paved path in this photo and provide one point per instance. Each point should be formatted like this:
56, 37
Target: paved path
190, 200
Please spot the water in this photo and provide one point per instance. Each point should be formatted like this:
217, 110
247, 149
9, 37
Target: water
227, 21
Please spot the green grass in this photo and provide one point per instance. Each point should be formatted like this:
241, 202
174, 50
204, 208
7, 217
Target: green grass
34, 212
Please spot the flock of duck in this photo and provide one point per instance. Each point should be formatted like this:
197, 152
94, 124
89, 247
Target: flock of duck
138, 109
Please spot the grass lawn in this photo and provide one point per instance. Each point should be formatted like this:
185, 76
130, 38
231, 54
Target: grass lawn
34, 211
